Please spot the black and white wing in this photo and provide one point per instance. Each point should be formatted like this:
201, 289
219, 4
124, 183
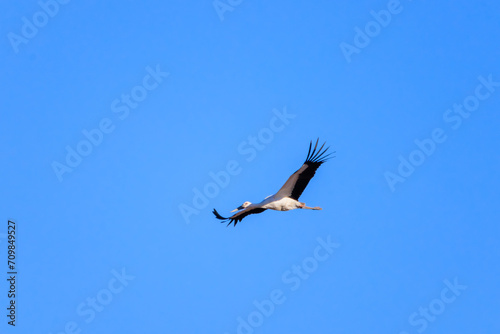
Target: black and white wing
238, 216
299, 180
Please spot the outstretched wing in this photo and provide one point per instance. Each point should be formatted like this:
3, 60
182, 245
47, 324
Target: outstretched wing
299, 180
237, 217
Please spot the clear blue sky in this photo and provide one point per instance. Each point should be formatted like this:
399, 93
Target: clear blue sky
117, 117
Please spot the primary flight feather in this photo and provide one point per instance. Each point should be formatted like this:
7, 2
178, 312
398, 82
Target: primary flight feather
287, 198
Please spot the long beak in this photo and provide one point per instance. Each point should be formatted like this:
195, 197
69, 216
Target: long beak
238, 209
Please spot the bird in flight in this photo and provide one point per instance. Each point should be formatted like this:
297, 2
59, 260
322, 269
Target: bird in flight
287, 198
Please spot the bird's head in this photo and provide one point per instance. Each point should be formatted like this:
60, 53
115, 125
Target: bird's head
244, 205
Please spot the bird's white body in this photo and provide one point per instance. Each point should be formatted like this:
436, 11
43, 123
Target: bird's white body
278, 203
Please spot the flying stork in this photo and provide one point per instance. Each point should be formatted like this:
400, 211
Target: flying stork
287, 198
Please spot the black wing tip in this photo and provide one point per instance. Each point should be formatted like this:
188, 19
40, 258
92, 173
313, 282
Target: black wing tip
218, 216
318, 156
224, 219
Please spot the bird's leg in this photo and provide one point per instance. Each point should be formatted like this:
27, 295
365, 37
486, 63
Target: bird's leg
303, 206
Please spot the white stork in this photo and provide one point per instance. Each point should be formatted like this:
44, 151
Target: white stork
287, 198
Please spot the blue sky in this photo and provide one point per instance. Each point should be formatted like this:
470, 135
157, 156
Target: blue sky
125, 123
